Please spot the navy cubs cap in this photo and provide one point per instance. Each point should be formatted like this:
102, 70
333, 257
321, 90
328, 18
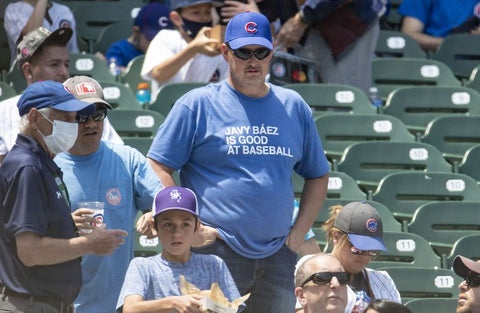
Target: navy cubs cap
50, 94
248, 28
175, 198
363, 225
152, 18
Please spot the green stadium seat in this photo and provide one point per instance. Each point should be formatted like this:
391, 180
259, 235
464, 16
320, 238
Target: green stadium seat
131, 78
89, 65
369, 161
112, 33
119, 96
169, 94
469, 164
396, 44
328, 98
466, 246
6, 91
429, 305
135, 123
404, 192
15, 78
144, 246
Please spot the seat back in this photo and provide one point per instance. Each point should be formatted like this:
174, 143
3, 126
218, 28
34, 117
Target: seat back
393, 20
453, 135
396, 44
89, 65
170, 93
428, 305
135, 123
461, 52
327, 98
15, 78
405, 249
112, 33
119, 96
145, 247
131, 78
443, 223
338, 131
389, 74
424, 282
6, 91
417, 106
466, 246
404, 192
367, 163
469, 164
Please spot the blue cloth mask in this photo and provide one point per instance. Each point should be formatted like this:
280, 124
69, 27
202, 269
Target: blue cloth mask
192, 28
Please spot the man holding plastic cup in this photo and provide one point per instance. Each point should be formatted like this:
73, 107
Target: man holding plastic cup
120, 178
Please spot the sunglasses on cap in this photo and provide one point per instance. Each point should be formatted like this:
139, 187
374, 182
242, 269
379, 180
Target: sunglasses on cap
473, 279
322, 278
98, 115
356, 251
245, 54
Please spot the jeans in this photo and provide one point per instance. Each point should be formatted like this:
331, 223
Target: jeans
270, 280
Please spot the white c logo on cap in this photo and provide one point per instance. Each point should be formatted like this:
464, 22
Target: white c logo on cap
251, 27
163, 21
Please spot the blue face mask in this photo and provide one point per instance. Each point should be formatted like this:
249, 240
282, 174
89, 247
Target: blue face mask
192, 28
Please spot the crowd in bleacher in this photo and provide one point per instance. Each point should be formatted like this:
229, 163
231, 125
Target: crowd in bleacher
393, 101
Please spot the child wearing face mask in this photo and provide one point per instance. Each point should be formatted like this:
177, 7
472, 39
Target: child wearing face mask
187, 53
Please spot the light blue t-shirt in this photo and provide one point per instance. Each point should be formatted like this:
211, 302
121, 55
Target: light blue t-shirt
237, 154
156, 278
120, 177
438, 16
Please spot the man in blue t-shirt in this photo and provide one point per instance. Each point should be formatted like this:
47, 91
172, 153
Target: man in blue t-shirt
235, 144
428, 21
116, 175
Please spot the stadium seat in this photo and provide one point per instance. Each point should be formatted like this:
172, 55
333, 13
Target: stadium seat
131, 78
443, 223
369, 161
389, 74
466, 246
423, 282
4, 48
417, 106
461, 52
404, 192
474, 79
135, 123
338, 131
453, 135
144, 246
469, 164
93, 16
396, 44
405, 249
119, 96
327, 98
6, 91
89, 65
112, 33
142, 144
15, 78
170, 93
429, 305
393, 20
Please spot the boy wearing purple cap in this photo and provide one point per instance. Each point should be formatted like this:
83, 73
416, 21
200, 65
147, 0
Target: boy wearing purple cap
236, 144
40, 264
152, 284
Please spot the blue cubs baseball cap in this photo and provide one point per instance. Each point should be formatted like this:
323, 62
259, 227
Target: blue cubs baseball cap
50, 94
248, 28
152, 18
175, 198
363, 225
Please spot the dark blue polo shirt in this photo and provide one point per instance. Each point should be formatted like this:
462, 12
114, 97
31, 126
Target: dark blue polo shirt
33, 202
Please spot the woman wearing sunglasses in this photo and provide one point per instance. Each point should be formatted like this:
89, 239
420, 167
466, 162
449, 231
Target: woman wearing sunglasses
356, 232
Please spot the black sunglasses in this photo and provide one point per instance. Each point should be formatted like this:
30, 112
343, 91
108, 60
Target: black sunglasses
472, 280
326, 277
98, 115
246, 54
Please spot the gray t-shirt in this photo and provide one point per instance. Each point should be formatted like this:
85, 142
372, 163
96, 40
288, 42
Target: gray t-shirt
156, 278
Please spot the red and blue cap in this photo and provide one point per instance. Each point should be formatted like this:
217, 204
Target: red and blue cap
249, 28
175, 198
152, 18
363, 225
50, 94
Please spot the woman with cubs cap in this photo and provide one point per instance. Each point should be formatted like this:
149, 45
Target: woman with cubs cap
356, 232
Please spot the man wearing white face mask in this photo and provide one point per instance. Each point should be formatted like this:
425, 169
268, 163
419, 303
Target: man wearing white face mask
40, 250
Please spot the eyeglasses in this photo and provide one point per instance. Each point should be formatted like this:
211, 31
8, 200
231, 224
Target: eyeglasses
473, 280
356, 251
98, 115
246, 54
322, 278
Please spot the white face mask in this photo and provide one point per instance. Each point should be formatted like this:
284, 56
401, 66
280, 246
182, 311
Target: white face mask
63, 137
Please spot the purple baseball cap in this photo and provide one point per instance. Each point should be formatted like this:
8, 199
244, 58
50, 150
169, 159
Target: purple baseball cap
152, 18
50, 94
248, 28
363, 225
175, 198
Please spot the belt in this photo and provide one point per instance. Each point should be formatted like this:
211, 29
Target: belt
58, 304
